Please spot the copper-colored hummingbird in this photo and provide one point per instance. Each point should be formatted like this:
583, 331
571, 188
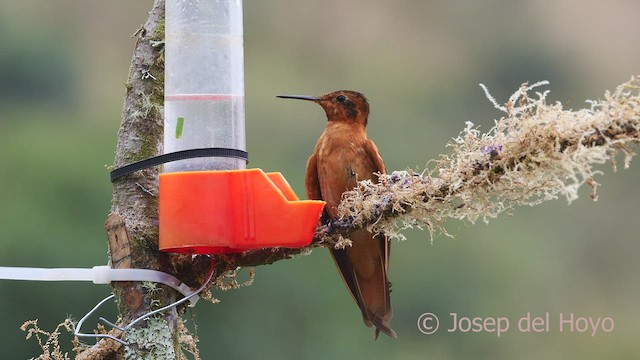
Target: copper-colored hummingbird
343, 156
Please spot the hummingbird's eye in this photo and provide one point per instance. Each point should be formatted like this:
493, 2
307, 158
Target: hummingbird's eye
341, 98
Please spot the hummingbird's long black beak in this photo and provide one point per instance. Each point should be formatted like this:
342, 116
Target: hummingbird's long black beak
299, 97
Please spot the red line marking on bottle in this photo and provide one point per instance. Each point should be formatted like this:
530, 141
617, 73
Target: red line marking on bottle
201, 97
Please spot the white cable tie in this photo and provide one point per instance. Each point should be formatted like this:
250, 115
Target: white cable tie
98, 275
144, 275
41, 274
102, 274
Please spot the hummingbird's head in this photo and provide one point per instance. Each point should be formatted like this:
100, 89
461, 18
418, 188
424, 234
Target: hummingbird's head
341, 105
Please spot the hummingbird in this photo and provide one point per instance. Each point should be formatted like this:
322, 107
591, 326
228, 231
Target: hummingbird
343, 156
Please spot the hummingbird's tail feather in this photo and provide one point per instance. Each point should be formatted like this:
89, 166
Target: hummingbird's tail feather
381, 322
363, 267
384, 326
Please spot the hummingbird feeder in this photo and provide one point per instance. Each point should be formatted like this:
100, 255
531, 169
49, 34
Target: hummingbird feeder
209, 202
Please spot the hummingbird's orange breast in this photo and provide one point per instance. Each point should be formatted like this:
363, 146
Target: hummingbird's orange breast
342, 161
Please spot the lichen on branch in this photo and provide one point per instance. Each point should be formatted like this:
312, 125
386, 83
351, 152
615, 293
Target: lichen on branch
536, 152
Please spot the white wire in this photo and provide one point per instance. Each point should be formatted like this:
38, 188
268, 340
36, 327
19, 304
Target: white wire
105, 275
193, 294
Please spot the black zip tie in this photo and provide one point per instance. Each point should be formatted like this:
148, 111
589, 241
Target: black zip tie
178, 155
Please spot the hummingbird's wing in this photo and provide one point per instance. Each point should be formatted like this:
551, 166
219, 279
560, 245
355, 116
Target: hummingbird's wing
364, 265
311, 182
374, 154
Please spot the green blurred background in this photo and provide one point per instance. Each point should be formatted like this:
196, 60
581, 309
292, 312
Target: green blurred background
62, 69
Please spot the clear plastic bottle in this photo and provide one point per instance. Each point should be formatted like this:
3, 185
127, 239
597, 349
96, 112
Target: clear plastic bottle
204, 81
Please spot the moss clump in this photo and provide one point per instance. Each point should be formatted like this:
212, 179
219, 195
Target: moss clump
154, 341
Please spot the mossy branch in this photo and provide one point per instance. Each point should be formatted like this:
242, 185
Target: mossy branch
536, 152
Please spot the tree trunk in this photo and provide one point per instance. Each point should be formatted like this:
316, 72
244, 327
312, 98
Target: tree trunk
132, 225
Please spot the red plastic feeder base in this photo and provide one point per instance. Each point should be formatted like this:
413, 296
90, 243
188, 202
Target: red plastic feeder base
214, 212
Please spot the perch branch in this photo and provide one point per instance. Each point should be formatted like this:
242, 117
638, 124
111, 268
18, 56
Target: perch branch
536, 152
